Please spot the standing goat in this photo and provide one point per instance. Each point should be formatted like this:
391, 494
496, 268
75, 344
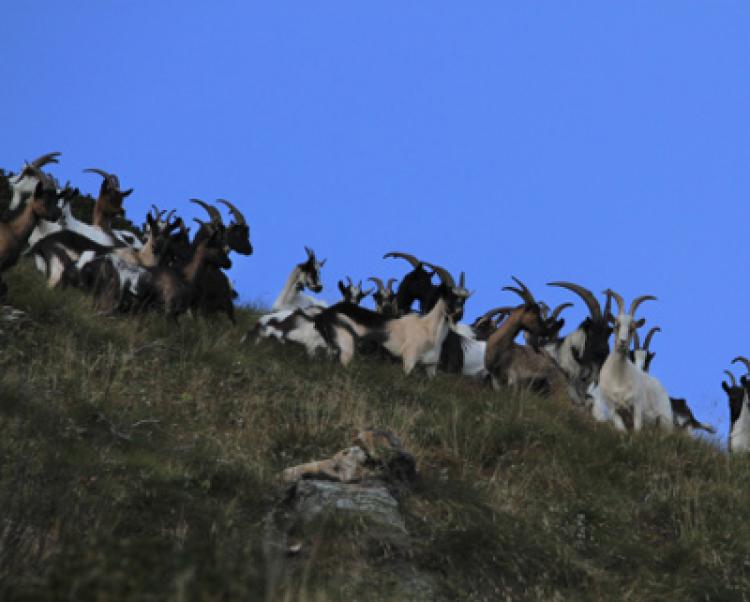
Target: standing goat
384, 297
416, 339
15, 232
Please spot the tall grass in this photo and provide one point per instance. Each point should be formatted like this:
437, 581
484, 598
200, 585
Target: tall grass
139, 461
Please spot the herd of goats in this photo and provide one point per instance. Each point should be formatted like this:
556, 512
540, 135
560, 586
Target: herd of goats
165, 270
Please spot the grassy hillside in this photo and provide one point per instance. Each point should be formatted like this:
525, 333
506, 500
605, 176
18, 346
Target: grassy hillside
138, 461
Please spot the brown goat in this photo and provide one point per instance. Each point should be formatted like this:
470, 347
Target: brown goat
109, 202
15, 232
522, 365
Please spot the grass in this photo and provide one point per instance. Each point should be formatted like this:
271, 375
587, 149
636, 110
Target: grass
139, 461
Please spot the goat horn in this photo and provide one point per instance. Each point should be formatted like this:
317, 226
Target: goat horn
349, 280
731, 378
156, 211
212, 211
415, 263
638, 300
493, 312
523, 291
378, 282
96, 170
389, 284
649, 336
45, 159
236, 213
588, 297
462, 280
169, 215
617, 297
744, 360
310, 252
444, 275
636, 341
559, 309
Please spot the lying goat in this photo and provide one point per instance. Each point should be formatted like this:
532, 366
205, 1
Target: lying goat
522, 366
24, 183
624, 388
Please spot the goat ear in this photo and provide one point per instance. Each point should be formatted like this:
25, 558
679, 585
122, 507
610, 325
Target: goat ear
342, 288
725, 386
128, 192
323, 262
639, 323
38, 189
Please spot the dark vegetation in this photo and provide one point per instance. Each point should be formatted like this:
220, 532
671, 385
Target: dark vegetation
139, 460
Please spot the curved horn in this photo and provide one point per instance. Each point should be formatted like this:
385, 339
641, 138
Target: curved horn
212, 211
378, 282
390, 283
522, 292
744, 360
636, 341
444, 275
415, 263
349, 280
638, 300
236, 213
649, 336
617, 297
169, 215
595, 309
559, 309
462, 280
506, 309
731, 378
155, 211
310, 252
96, 170
40, 162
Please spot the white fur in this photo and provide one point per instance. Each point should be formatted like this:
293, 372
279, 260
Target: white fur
739, 436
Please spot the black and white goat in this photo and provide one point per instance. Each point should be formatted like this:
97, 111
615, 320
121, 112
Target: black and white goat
292, 307
24, 182
739, 409
353, 293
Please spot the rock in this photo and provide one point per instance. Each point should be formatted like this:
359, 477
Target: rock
372, 500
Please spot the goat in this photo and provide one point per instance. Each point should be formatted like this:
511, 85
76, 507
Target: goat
416, 339
214, 292
625, 388
291, 299
384, 297
353, 293
109, 203
582, 352
516, 365
172, 287
415, 286
15, 232
24, 183
739, 409
682, 416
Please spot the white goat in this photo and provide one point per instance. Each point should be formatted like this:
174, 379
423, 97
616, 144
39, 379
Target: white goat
739, 410
624, 387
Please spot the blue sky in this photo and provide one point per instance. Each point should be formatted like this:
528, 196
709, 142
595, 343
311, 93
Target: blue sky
606, 143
